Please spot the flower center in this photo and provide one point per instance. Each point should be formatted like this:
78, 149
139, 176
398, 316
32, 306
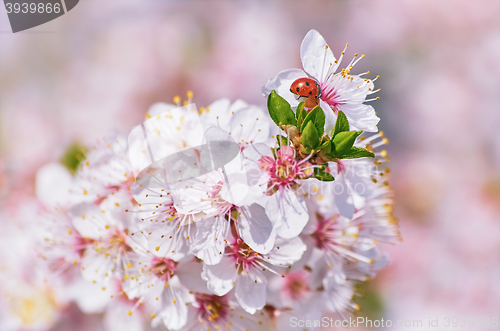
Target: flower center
295, 285
243, 255
212, 308
163, 268
284, 170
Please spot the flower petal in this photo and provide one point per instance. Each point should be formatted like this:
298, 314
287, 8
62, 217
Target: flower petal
289, 213
256, 229
251, 290
281, 84
316, 56
343, 198
209, 242
360, 116
286, 251
220, 278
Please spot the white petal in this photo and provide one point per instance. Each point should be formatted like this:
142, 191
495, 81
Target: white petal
250, 125
209, 242
220, 277
88, 220
315, 55
330, 117
218, 114
251, 290
286, 251
281, 84
114, 319
360, 116
174, 315
53, 182
289, 212
256, 229
343, 199
189, 275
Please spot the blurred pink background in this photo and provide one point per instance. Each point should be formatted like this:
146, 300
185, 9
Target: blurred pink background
99, 67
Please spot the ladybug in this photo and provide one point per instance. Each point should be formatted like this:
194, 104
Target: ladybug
307, 88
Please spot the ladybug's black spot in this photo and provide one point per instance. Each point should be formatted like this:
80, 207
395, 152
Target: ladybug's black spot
310, 92
298, 89
307, 83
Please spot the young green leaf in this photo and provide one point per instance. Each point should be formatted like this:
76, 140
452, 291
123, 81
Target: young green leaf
280, 110
326, 146
281, 140
357, 152
300, 114
323, 176
341, 125
317, 116
343, 141
310, 137
299, 109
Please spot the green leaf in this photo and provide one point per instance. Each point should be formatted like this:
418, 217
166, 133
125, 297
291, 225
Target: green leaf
310, 137
300, 114
357, 152
73, 156
343, 141
317, 116
280, 110
341, 125
319, 174
299, 109
281, 140
326, 146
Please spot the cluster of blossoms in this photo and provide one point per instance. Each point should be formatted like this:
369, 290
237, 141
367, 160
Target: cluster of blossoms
231, 216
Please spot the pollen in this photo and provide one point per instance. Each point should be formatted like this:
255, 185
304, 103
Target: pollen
177, 99
130, 313
189, 94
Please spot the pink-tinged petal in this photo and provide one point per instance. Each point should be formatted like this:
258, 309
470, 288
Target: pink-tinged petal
209, 242
251, 290
316, 56
256, 229
89, 221
281, 84
360, 116
220, 278
343, 198
286, 251
289, 212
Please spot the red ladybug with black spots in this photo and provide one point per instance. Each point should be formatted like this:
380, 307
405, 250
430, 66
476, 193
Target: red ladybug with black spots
307, 88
